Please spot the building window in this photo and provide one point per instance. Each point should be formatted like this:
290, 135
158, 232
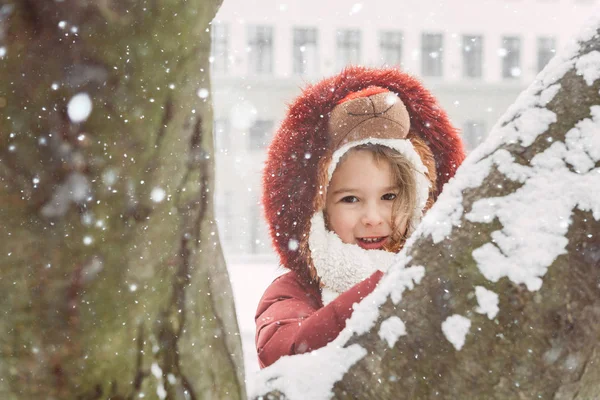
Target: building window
473, 133
432, 54
472, 56
221, 135
390, 47
219, 52
511, 57
260, 49
348, 47
306, 61
546, 48
260, 134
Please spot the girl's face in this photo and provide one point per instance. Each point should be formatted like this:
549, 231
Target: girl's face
359, 201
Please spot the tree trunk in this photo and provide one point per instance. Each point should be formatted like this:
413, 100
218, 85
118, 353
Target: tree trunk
521, 219
113, 282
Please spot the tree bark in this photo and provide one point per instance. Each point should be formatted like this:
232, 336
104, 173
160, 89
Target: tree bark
543, 343
113, 281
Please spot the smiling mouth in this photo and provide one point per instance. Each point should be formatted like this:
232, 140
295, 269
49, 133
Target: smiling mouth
371, 243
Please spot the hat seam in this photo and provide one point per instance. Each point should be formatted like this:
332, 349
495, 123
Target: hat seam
369, 119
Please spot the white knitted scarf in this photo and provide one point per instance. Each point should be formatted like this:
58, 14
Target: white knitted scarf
340, 265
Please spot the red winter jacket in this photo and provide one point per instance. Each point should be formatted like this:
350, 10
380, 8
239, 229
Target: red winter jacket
291, 318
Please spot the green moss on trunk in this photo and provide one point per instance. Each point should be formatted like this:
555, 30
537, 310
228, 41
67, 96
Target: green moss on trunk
98, 292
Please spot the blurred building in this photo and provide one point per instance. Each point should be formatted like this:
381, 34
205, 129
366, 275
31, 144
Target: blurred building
476, 56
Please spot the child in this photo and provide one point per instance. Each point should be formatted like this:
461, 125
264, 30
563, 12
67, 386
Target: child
356, 162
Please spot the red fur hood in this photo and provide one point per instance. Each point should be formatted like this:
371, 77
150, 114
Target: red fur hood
291, 174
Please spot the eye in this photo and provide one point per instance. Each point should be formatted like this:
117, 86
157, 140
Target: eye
389, 196
349, 199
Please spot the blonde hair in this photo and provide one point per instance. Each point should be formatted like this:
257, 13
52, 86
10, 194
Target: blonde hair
403, 176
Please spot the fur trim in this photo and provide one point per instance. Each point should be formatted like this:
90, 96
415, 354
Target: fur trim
291, 174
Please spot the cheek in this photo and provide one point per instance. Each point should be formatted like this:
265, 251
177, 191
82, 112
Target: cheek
387, 212
333, 219
341, 222
401, 222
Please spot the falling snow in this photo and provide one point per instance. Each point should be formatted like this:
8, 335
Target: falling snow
158, 194
203, 93
293, 245
79, 107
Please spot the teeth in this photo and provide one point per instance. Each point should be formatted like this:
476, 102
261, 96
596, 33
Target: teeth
371, 240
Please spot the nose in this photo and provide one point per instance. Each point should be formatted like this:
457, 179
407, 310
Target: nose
372, 215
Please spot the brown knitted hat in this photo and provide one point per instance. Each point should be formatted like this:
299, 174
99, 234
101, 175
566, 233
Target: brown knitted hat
379, 114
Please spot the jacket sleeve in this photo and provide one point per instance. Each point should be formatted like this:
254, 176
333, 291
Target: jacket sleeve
289, 321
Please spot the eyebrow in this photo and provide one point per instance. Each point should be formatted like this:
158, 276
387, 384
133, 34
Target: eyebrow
344, 190
351, 190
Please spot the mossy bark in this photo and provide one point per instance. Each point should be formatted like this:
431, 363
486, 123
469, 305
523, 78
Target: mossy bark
113, 279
